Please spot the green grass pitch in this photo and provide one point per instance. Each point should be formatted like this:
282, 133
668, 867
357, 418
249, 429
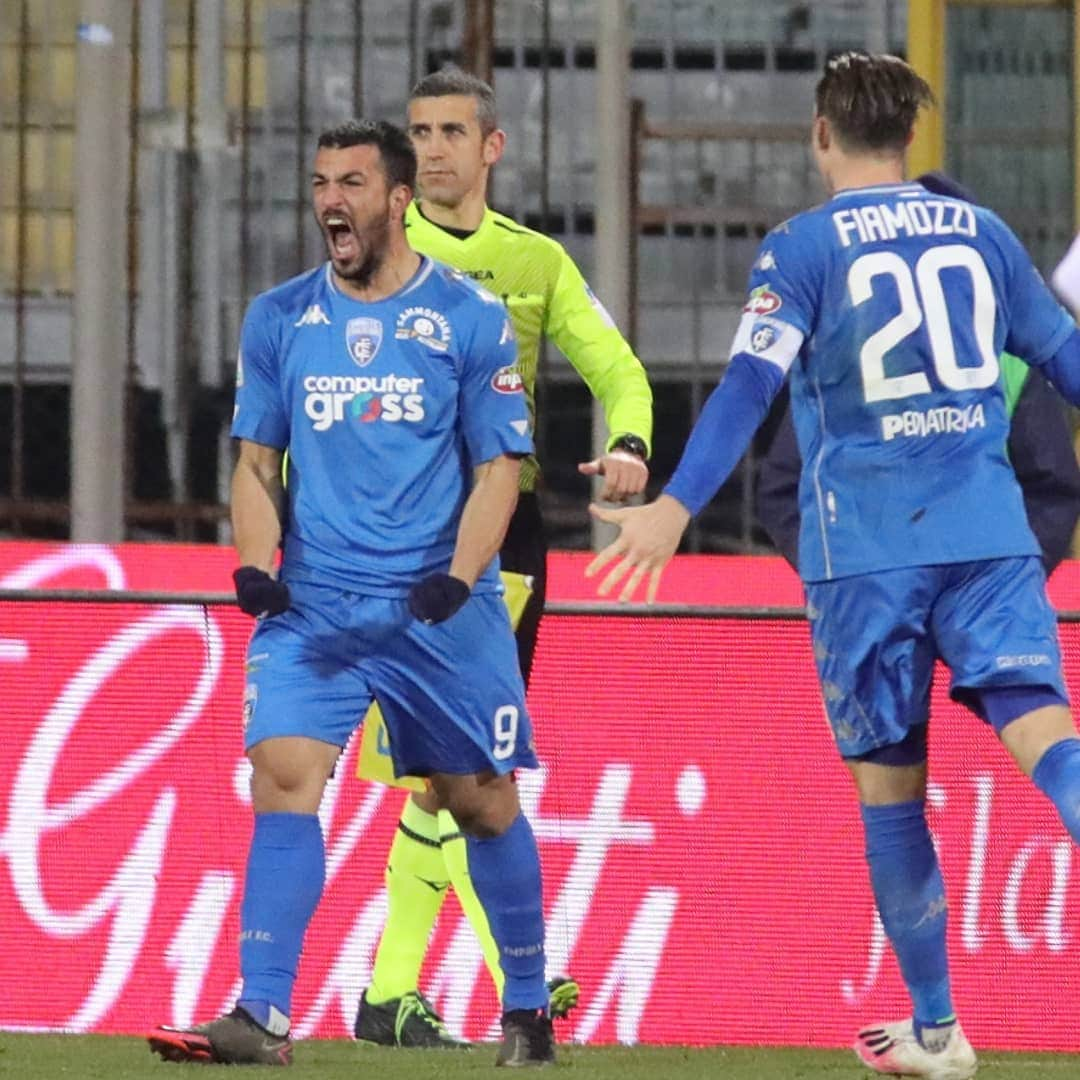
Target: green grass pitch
104, 1057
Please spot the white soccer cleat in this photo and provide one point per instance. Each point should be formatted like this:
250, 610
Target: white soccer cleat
894, 1050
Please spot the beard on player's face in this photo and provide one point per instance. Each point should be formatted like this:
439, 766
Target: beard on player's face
357, 248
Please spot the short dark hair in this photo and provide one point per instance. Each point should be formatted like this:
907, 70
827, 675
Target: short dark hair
871, 100
452, 80
398, 155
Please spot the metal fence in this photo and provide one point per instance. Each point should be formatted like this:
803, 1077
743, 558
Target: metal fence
223, 100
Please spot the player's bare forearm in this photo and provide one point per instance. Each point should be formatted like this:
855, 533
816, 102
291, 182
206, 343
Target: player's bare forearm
258, 496
485, 517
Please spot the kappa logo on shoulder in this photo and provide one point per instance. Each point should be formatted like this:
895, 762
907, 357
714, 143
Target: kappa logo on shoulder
313, 316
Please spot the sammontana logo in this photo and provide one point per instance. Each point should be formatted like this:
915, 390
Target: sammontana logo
425, 325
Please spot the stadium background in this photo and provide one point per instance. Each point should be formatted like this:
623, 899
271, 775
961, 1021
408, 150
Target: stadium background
192, 153
669, 815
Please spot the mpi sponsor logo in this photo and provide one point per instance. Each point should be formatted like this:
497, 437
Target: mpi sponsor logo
507, 380
330, 399
762, 301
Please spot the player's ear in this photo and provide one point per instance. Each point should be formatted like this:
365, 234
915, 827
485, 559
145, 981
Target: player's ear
494, 145
400, 197
821, 134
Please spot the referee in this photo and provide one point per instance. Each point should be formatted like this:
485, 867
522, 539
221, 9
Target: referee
452, 123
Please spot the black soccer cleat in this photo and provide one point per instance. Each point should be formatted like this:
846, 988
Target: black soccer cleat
407, 1021
528, 1040
563, 994
233, 1039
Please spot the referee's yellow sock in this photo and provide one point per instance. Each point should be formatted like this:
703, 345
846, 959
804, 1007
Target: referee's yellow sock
457, 868
416, 882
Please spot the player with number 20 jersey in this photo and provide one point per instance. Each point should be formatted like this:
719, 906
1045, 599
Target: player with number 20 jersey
905, 446
889, 306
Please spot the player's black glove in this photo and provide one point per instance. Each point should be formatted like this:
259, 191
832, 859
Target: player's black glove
437, 597
258, 594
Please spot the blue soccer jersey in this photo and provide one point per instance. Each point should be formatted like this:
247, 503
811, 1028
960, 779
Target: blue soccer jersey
385, 408
895, 304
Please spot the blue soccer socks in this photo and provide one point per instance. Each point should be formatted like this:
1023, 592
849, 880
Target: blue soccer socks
1057, 776
285, 872
910, 895
505, 872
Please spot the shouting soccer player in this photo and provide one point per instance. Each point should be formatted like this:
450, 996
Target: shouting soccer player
390, 380
452, 123
890, 306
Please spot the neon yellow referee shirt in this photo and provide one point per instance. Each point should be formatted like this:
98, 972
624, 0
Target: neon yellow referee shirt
546, 295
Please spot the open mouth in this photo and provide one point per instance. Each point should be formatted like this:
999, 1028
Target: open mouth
340, 237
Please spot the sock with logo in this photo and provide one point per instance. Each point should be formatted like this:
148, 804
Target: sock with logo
1057, 776
455, 852
416, 883
286, 869
505, 872
910, 895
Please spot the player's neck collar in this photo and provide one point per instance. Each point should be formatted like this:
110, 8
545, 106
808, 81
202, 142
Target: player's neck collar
900, 185
421, 275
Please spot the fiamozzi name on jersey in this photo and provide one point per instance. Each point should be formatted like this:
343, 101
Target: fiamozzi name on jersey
944, 420
368, 398
914, 217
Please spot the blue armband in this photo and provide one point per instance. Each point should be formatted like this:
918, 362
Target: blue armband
731, 415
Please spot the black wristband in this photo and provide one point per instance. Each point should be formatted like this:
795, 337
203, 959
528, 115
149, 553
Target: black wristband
632, 444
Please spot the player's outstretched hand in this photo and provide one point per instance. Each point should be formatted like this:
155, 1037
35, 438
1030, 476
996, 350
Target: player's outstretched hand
649, 535
437, 597
624, 474
258, 594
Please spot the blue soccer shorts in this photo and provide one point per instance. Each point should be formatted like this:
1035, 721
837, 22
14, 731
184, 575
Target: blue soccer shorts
876, 638
451, 694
